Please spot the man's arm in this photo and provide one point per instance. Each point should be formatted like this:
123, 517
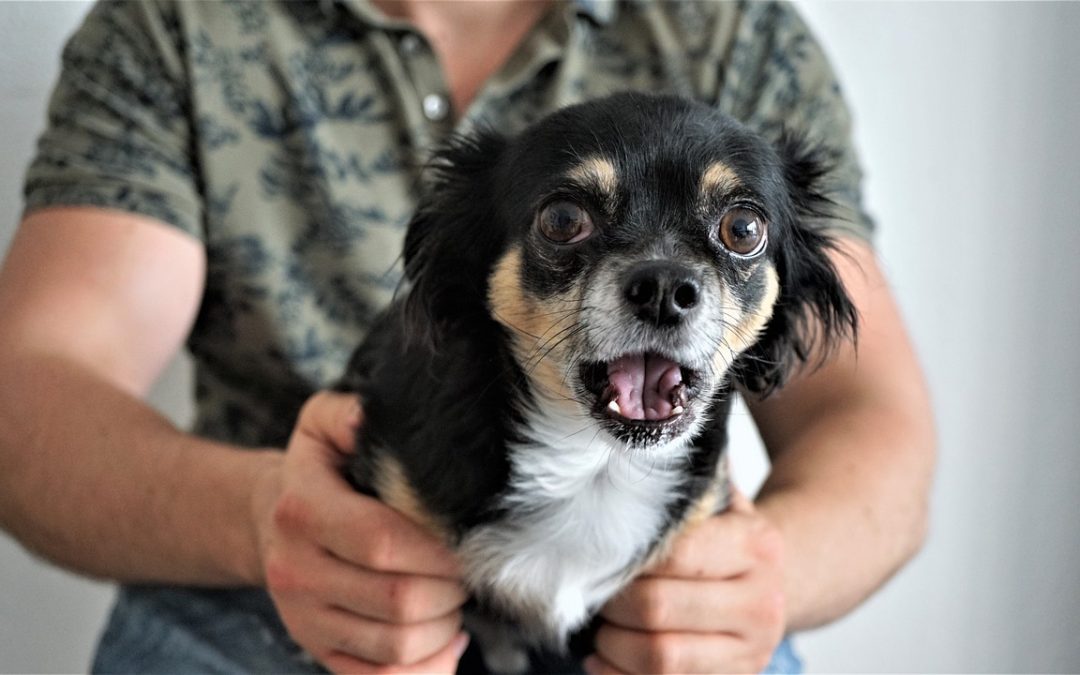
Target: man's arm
95, 302
853, 449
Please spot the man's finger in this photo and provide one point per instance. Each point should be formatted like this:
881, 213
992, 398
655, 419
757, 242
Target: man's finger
639, 652
666, 604
312, 573
328, 420
337, 630
391, 598
366, 532
717, 548
594, 665
443, 661
361, 530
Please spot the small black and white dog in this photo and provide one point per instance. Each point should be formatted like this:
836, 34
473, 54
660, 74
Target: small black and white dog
551, 394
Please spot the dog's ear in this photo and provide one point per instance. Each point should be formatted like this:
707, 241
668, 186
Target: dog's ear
813, 312
454, 236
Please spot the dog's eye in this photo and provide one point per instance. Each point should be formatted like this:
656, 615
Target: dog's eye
565, 222
742, 231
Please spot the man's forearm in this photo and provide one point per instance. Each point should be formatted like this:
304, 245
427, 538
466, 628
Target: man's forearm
850, 501
113, 489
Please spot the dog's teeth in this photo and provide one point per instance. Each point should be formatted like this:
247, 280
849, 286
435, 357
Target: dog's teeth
679, 396
614, 407
678, 410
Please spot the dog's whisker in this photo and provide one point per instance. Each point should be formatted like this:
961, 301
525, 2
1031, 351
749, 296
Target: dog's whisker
563, 336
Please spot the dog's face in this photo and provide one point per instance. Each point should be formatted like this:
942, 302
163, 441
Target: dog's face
636, 250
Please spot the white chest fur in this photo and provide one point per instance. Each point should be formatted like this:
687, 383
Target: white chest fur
581, 510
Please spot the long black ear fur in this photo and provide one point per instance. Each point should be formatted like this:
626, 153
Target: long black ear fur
454, 238
813, 313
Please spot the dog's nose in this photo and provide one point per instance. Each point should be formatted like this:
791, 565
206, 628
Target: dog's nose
661, 292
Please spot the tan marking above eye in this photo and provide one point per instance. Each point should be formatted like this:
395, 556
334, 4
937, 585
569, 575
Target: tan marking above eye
596, 172
719, 177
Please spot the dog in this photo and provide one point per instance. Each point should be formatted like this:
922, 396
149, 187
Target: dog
585, 299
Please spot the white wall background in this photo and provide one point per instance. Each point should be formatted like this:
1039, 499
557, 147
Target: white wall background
968, 118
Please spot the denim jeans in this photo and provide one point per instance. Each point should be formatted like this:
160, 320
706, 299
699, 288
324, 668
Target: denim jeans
156, 629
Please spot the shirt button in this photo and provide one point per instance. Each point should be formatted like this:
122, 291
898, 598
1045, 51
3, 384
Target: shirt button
436, 107
410, 44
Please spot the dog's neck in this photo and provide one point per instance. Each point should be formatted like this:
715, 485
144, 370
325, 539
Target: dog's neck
582, 512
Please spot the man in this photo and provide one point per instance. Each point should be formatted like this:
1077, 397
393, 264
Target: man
238, 175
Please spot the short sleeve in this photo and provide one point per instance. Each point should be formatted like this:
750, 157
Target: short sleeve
776, 77
119, 132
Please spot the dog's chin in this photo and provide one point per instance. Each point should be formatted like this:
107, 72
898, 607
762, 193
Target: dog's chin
644, 400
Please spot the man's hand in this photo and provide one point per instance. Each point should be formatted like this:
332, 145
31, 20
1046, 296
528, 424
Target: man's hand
359, 586
716, 604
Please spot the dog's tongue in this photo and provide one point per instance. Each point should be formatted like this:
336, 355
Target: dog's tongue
643, 386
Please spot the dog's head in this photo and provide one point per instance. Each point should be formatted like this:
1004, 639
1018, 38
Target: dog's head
640, 252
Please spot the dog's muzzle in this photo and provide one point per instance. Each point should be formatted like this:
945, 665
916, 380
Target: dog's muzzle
645, 382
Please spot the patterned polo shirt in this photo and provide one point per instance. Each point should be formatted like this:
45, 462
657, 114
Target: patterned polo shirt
288, 138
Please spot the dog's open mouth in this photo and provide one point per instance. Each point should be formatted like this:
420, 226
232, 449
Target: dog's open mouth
641, 389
